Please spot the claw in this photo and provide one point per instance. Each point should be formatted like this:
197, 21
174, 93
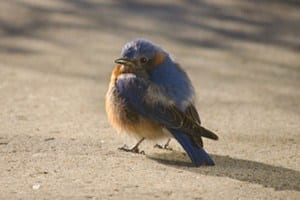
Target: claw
166, 146
134, 149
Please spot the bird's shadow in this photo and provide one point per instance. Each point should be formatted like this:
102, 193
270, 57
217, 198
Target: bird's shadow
279, 178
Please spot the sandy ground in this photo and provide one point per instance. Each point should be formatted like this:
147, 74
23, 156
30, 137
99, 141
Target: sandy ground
55, 62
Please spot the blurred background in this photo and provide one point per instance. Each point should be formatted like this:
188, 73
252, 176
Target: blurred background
56, 57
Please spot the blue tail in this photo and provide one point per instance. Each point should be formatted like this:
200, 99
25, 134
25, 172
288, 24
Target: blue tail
197, 154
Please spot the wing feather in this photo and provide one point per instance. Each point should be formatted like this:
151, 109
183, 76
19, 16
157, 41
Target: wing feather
134, 91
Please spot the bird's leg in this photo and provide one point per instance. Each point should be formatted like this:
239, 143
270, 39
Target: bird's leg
166, 146
134, 149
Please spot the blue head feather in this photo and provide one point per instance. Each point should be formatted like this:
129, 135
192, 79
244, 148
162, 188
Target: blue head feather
173, 80
139, 47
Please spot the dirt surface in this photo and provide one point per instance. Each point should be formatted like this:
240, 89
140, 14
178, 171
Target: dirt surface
55, 61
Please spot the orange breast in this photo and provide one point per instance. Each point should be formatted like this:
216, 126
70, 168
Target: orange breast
123, 118
116, 72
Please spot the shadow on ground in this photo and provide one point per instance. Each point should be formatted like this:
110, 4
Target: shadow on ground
279, 178
254, 21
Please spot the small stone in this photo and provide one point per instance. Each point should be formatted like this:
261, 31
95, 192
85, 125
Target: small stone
48, 139
36, 186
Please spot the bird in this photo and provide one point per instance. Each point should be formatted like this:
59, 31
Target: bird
150, 96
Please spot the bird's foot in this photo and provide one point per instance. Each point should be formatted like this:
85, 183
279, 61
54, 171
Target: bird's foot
165, 147
135, 149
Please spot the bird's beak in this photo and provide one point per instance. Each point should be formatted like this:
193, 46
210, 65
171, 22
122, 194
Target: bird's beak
124, 61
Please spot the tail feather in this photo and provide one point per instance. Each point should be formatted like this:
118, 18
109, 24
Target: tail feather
197, 154
207, 133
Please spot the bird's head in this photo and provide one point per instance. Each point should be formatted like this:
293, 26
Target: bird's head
140, 55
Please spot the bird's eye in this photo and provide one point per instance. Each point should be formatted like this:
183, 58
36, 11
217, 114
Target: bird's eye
143, 60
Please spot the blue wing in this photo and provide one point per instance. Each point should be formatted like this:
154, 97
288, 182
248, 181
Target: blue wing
135, 92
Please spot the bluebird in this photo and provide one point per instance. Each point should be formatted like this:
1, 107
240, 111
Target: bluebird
150, 96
